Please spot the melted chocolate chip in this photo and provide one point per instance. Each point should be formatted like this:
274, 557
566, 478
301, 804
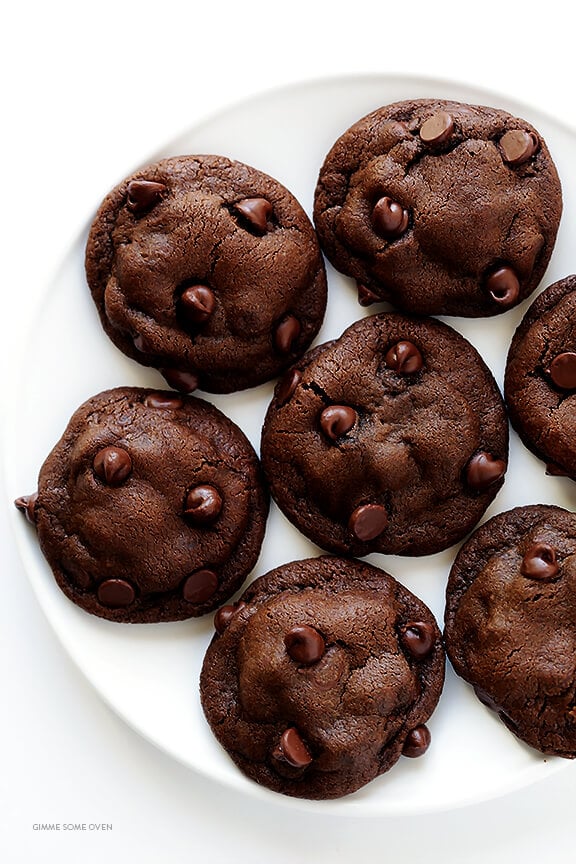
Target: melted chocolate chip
292, 749
185, 382
224, 616
404, 357
540, 562
163, 400
287, 386
112, 465
200, 586
304, 644
116, 593
337, 420
143, 195
503, 285
517, 146
256, 211
417, 742
196, 304
483, 470
368, 521
418, 637
437, 129
79, 577
287, 332
389, 218
27, 505
563, 370
366, 297
203, 504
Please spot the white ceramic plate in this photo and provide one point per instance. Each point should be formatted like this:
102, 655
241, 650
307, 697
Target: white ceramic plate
149, 673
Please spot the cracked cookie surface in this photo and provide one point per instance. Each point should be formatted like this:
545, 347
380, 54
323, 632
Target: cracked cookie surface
321, 676
150, 507
392, 438
440, 207
510, 627
540, 380
208, 270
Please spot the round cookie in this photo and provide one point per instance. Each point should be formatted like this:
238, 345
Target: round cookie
511, 622
540, 380
393, 438
150, 507
207, 270
440, 207
322, 676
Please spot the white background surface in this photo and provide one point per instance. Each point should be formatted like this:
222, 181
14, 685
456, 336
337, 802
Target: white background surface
89, 91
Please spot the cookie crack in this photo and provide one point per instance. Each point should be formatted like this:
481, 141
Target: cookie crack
318, 390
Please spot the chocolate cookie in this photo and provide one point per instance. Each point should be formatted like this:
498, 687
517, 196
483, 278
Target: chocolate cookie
393, 438
321, 676
150, 507
208, 270
440, 207
511, 622
540, 380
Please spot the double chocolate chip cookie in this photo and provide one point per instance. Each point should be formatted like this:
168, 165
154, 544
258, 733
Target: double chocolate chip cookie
440, 207
322, 676
511, 622
540, 381
207, 270
393, 438
150, 507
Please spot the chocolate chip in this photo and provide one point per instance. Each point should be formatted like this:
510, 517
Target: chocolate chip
287, 332
163, 400
563, 370
517, 146
368, 521
143, 195
292, 749
483, 470
116, 593
196, 304
224, 616
404, 357
304, 644
417, 742
487, 699
256, 211
540, 562
389, 218
27, 505
437, 129
418, 637
508, 721
112, 465
185, 382
203, 504
503, 285
200, 586
337, 420
554, 470
287, 386
366, 297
